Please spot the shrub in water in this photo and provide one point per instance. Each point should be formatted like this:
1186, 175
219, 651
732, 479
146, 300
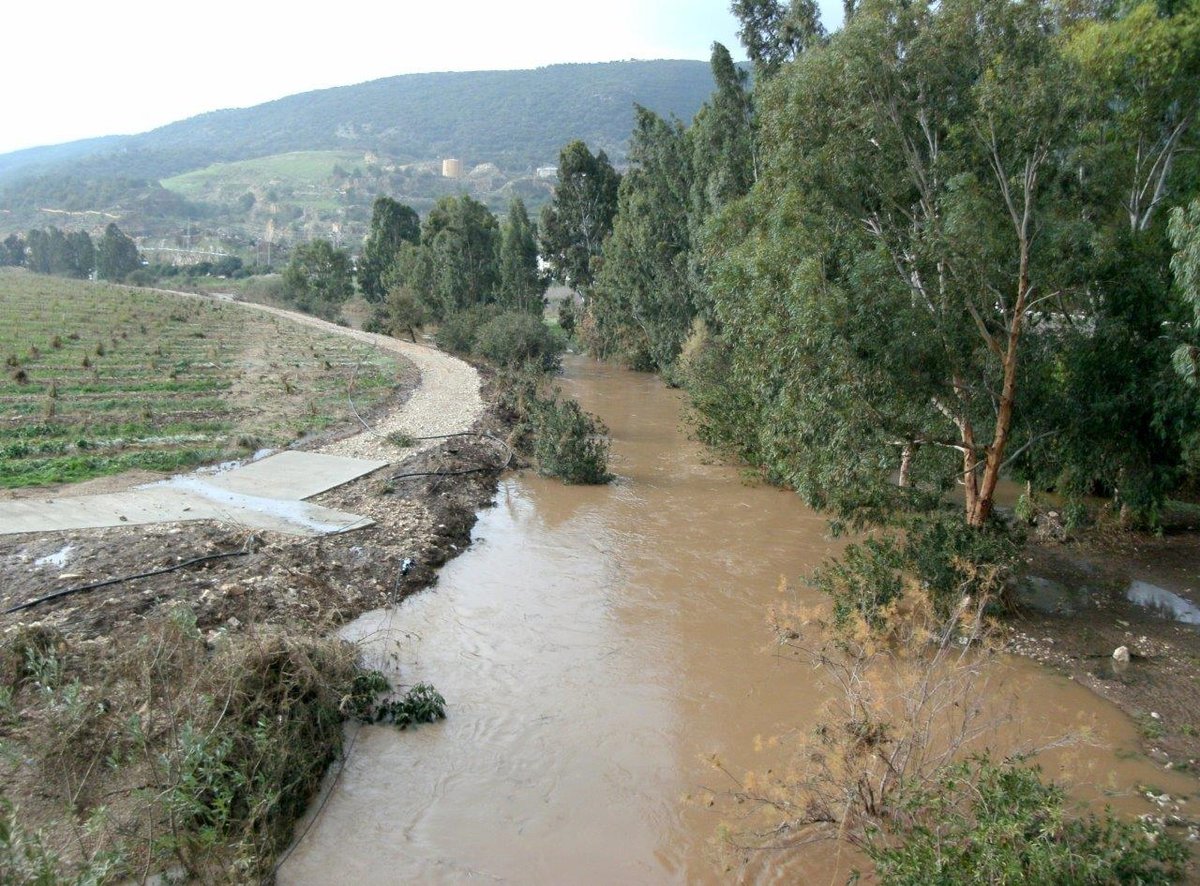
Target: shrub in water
569, 443
988, 822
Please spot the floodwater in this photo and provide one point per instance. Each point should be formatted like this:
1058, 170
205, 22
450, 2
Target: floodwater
597, 646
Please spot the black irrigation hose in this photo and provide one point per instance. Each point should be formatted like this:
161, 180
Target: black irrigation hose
462, 473
116, 581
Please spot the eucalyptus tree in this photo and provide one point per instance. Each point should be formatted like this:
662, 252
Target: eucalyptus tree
643, 301
910, 221
774, 33
116, 254
574, 224
318, 278
461, 238
392, 224
522, 286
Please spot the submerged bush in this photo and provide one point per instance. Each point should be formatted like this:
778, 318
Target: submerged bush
988, 822
570, 443
949, 561
567, 442
863, 583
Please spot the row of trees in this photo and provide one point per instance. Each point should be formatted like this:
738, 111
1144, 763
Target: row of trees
928, 250
72, 254
459, 258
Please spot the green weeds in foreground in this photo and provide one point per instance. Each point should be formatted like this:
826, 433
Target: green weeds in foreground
215, 748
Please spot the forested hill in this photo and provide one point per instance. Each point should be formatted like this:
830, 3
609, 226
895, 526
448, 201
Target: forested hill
514, 119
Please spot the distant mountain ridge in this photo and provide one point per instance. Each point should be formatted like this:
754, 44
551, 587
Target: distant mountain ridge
514, 119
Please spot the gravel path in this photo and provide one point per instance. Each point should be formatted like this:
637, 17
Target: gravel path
447, 400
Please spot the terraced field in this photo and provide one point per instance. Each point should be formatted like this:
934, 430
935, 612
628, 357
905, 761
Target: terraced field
100, 379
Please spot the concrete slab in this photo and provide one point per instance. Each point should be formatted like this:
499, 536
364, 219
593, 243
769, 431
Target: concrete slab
262, 495
294, 475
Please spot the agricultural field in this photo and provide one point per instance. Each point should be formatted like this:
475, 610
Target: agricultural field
301, 177
100, 379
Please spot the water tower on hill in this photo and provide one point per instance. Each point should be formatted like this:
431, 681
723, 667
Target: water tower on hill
451, 168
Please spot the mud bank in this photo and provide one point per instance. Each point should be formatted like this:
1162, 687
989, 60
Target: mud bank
1083, 605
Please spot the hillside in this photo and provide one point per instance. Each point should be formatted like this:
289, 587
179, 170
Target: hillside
515, 119
310, 164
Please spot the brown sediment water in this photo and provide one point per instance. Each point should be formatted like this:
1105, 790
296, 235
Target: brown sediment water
596, 647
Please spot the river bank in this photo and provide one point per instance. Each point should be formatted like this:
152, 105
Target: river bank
128, 714
1081, 609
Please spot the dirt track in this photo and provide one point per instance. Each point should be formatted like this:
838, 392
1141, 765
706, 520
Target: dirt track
319, 582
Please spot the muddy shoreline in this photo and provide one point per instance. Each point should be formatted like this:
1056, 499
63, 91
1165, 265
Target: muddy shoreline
1081, 614
301, 589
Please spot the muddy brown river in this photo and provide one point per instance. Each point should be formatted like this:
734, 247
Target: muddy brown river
596, 646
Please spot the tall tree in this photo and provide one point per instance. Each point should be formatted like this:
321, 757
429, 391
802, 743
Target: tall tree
38, 247
318, 278
910, 219
462, 239
643, 302
116, 255
775, 34
522, 286
392, 223
12, 251
575, 222
722, 140
83, 254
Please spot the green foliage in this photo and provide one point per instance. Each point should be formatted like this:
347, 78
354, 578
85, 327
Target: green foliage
862, 583
643, 302
774, 33
573, 226
1185, 238
722, 141
26, 860
999, 823
420, 704
392, 224
116, 255
566, 442
952, 560
318, 278
569, 443
522, 286
461, 238
403, 313
516, 338
946, 558
457, 332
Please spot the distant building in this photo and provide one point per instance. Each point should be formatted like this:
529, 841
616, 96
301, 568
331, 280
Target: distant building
451, 168
547, 172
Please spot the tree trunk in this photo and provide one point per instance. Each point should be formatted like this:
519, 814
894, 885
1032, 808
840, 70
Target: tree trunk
979, 511
906, 462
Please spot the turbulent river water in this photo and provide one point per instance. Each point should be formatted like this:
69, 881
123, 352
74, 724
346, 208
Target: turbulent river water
597, 646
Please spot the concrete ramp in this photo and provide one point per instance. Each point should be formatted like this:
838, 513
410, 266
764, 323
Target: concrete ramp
266, 494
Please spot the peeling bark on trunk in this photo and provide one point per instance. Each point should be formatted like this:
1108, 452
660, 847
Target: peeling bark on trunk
907, 453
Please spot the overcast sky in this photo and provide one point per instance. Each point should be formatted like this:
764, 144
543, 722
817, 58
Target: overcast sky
83, 68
